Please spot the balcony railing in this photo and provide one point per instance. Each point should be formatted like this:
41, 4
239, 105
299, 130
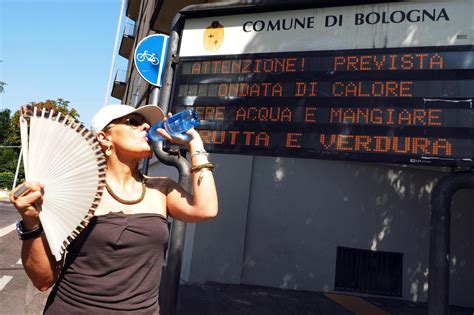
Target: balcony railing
128, 38
118, 90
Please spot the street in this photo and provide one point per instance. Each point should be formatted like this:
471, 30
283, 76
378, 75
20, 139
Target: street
17, 294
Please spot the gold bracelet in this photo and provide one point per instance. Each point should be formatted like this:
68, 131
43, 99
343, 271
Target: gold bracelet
199, 167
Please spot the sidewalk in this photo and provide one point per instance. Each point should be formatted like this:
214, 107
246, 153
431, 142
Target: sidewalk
227, 299
217, 299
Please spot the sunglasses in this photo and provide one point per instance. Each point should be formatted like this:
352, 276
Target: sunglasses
132, 122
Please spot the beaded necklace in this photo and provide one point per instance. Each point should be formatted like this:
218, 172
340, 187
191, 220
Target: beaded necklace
127, 202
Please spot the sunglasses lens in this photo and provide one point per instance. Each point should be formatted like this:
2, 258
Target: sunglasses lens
134, 122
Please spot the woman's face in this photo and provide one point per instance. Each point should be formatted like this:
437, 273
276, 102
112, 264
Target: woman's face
128, 135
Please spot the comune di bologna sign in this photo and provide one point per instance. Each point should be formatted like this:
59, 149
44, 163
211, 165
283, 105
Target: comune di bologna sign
390, 82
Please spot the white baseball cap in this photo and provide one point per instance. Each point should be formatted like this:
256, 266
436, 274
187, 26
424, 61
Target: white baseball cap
151, 113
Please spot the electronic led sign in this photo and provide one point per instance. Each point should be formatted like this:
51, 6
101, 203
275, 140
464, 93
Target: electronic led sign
387, 104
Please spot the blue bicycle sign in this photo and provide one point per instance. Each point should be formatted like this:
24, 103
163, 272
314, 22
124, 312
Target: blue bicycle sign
150, 58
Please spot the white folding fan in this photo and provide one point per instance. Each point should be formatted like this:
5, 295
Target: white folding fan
63, 155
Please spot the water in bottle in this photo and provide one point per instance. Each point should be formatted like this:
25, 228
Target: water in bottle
175, 125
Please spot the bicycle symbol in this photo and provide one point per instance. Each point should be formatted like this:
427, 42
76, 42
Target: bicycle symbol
150, 57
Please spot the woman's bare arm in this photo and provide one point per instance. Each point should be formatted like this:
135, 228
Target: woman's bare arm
202, 204
38, 262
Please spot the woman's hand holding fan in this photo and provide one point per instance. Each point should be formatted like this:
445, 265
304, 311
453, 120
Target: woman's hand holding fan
62, 155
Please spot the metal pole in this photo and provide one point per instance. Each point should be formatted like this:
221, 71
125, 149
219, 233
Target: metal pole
440, 230
112, 64
161, 97
155, 96
170, 280
17, 168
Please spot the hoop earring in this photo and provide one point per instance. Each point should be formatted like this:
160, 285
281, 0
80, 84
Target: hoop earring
108, 152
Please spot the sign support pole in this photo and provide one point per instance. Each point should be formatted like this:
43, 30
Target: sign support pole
440, 232
149, 62
170, 280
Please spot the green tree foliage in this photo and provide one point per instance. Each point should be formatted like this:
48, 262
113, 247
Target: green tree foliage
5, 124
10, 136
8, 155
6, 179
8, 162
59, 105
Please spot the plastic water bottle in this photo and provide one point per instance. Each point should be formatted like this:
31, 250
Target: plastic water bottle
175, 125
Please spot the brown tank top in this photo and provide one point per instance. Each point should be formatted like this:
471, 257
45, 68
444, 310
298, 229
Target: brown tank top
113, 266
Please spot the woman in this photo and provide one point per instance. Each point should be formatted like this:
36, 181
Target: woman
114, 265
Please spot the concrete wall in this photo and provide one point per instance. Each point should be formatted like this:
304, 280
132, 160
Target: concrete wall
221, 242
281, 220
462, 249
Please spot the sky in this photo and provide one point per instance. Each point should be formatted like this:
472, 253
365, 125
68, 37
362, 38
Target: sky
54, 49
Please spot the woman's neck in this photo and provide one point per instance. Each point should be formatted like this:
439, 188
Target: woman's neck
122, 173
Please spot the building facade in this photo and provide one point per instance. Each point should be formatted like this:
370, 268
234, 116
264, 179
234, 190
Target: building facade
310, 224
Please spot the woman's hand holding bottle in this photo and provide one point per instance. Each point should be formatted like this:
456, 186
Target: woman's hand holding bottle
178, 128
